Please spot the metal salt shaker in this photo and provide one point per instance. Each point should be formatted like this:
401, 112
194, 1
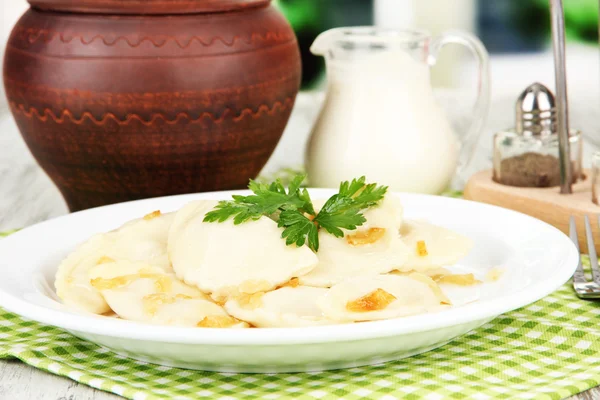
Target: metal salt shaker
528, 155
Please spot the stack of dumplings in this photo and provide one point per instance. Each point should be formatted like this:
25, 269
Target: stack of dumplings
174, 269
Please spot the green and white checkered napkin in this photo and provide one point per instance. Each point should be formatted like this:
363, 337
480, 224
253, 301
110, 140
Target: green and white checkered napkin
548, 350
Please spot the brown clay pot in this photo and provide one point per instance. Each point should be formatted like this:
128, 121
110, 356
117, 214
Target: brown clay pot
128, 99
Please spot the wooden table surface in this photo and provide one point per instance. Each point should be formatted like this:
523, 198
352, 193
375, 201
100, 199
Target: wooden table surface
27, 196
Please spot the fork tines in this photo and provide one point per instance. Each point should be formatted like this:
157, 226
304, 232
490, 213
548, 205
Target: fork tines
584, 288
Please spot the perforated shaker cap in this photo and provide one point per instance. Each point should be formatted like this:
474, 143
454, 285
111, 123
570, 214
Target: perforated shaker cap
536, 112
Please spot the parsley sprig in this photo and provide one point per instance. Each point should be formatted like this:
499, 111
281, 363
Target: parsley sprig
294, 211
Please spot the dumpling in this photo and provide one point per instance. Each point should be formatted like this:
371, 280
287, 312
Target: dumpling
284, 307
143, 239
225, 260
388, 214
139, 292
441, 246
374, 248
72, 282
381, 297
432, 273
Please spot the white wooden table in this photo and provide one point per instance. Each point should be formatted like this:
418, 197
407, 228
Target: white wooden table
27, 196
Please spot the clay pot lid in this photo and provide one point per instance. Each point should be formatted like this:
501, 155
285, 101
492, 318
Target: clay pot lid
145, 7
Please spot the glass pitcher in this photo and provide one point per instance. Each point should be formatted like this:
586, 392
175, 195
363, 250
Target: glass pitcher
380, 117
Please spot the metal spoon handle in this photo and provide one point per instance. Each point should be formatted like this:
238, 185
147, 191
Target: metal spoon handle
562, 107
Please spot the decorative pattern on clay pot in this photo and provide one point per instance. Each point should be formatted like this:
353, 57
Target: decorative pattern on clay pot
120, 106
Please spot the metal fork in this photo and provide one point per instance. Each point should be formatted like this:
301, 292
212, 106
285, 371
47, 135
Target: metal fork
584, 288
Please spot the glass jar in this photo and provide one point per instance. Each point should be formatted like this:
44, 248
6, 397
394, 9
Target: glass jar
596, 177
533, 161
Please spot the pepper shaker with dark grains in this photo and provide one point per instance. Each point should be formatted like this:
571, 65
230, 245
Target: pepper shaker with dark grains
528, 154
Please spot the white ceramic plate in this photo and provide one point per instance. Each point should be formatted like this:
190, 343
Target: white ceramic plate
536, 259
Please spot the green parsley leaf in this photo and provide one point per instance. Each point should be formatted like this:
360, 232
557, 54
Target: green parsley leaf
298, 229
266, 200
370, 195
349, 189
294, 211
308, 205
227, 209
340, 212
364, 195
295, 184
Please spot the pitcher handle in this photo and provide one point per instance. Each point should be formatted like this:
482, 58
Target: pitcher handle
480, 111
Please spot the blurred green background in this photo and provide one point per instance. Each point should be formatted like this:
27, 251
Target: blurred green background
505, 26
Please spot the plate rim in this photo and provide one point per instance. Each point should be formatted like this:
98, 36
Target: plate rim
486, 309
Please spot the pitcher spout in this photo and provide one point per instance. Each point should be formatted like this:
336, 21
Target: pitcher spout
324, 41
366, 37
